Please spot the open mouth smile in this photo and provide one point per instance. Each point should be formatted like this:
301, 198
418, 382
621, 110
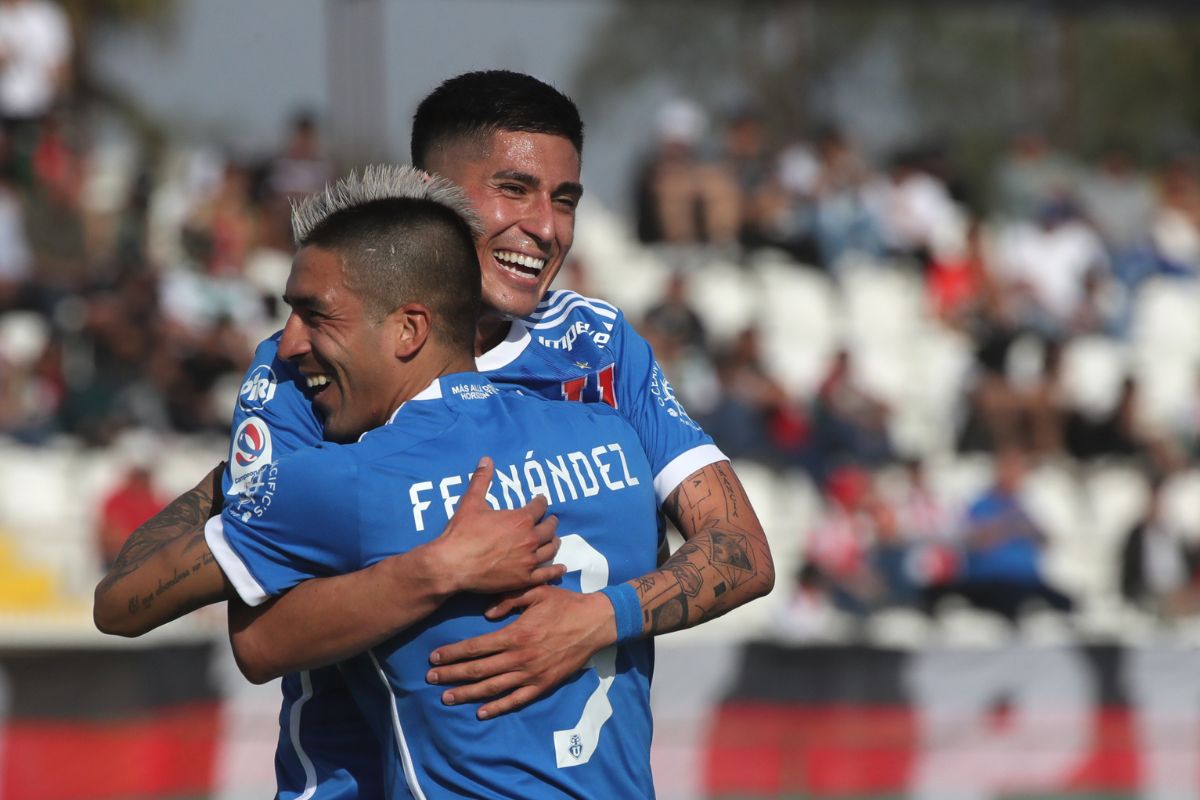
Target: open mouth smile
519, 264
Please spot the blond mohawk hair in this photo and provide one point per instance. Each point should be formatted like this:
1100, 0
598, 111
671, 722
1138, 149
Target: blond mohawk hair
379, 182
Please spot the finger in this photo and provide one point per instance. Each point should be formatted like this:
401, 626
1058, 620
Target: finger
536, 508
476, 647
483, 690
521, 696
506, 605
473, 672
481, 479
546, 552
544, 530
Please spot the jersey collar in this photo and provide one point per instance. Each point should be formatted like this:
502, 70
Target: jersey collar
507, 351
431, 392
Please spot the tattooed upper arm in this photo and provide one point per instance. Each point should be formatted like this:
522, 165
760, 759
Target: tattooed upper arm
724, 562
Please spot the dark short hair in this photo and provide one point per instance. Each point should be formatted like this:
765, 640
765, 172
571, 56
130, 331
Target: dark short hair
478, 104
401, 249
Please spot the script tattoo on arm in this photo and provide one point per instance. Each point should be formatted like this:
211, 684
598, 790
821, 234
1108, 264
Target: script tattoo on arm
724, 562
166, 551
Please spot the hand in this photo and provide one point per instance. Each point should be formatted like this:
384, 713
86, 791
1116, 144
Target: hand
491, 551
556, 634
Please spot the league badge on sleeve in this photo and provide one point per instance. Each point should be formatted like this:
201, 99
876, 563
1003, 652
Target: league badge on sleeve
251, 449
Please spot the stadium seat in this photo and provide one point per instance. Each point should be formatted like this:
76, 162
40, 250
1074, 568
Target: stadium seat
799, 325
1093, 368
1167, 318
884, 304
1181, 503
726, 297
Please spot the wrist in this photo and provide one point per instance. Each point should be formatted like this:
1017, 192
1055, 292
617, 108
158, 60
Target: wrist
430, 568
627, 611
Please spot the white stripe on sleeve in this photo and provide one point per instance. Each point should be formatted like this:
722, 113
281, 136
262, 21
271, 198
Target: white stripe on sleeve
683, 465
231, 564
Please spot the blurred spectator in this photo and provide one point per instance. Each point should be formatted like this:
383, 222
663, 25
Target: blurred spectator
1158, 567
676, 333
1119, 201
1104, 309
958, 282
1121, 433
798, 174
1044, 265
35, 48
754, 417
674, 319
1004, 412
921, 515
224, 229
1030, 177
1001, 569
1177, 221
807, 613
300, 169
914, 211
892, 557
16, 260
843, 224
681, 197
850, 425
839, 546
125, 508
764, 203
32, 384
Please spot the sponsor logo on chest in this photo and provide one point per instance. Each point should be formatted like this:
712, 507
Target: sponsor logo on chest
571, 336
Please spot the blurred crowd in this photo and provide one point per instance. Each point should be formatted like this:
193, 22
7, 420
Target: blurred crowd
134, 284
135, 281
1053, 248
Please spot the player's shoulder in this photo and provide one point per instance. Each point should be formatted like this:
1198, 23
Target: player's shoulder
266, 374
562, 307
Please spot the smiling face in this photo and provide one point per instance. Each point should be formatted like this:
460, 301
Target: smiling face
525, 188
346, 357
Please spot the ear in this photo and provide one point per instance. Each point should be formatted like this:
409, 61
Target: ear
410, 329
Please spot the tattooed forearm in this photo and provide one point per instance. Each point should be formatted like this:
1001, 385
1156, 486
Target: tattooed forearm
203, 558
165, 568
181, 517
724, 563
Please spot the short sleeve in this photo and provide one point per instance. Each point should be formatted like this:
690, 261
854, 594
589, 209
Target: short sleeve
273, 415
675, 444
289, 522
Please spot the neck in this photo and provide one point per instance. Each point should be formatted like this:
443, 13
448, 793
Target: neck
427, 368
490, 331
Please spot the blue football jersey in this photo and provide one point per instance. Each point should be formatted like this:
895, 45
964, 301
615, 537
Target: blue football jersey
396, 489
578, 348
326, 750
571, 348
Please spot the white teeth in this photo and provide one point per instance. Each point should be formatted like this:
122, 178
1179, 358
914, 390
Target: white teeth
521, 260
317, 380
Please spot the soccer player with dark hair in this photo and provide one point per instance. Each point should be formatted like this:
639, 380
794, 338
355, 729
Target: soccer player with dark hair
513, 144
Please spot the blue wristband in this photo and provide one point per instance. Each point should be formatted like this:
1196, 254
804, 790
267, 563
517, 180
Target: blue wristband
628, 610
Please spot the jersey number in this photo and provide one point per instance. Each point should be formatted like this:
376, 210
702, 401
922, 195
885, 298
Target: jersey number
596, 387
575, 746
